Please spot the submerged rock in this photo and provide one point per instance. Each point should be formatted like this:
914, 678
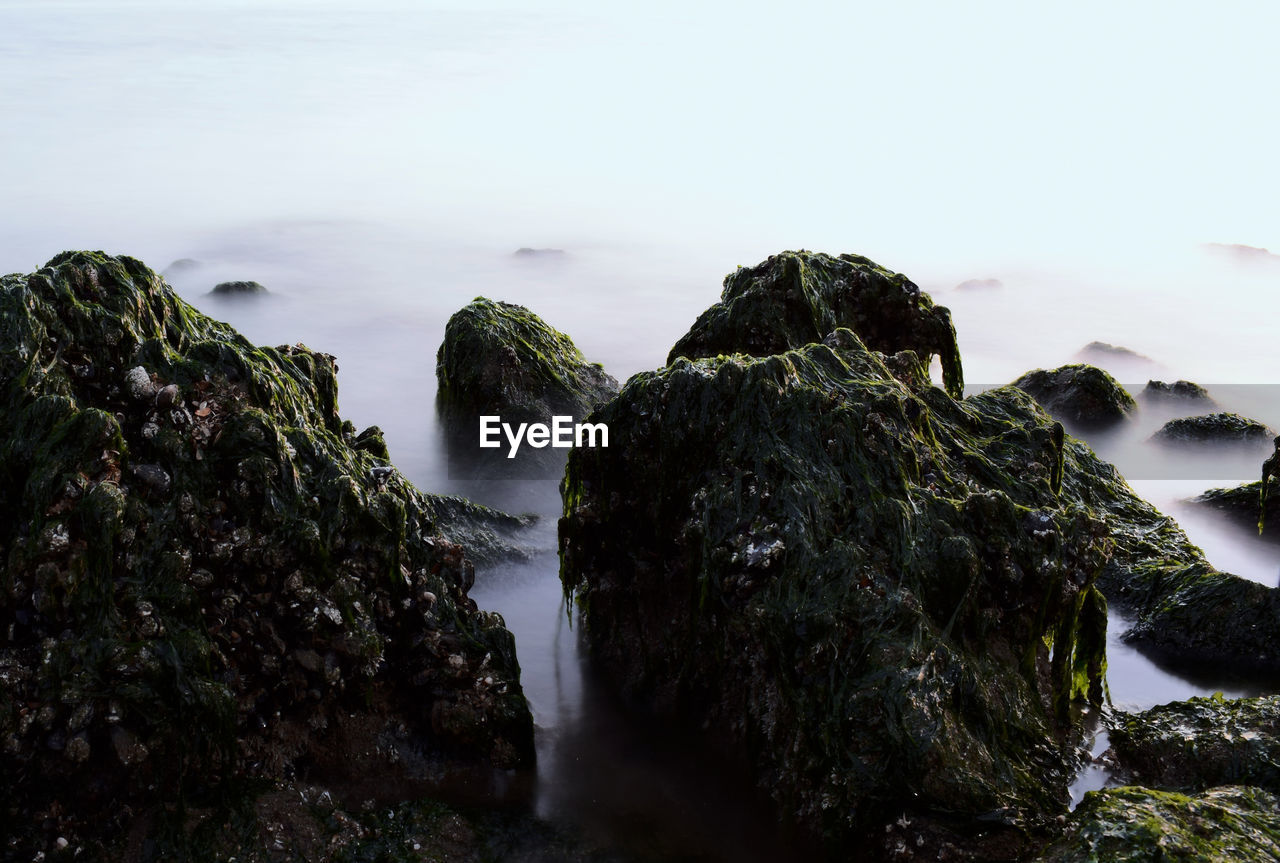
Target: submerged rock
1221, 428
980, 285
1232, 824
1084, 397
223, 583
868, 592
237, 288
797, 298
1242, 506
501, 359
1103, 351
1202, 743
1159, 391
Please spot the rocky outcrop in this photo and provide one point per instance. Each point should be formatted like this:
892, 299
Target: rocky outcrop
1084, 397
1201, 743
501, 359
868, 592
1216, 428
1232, 824
797, 298
208, 574
1107, 352
235, 289
1178, 391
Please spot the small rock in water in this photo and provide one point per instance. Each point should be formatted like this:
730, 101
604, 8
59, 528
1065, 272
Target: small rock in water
238, 288
1178, 390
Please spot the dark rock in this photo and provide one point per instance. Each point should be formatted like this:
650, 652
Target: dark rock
1201, 743
1219, 428
980, 285
237, 288
163, 570
501, 359
1241, 505
1084, 397
1159, 391
872, 595
797, 298
1233, 824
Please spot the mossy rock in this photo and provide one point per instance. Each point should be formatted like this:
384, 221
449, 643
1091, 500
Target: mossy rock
237, 289
797, 298
1082, 396
1220, 428
1242, 506
1233, 824
1202, 743
871, 594
207, 574
501, 359
1178, 391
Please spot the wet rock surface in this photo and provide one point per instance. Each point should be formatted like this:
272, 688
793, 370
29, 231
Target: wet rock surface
501, 359
869, 592
1141, 825
798, 298
1084, 397
238, 288
209, 576
1216, 428
1242, 506
1178, 391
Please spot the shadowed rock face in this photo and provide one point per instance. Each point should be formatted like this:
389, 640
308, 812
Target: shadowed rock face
1160, 391
867, 591
207, 573
1084, 397
1214, 428
500, 358
797, 298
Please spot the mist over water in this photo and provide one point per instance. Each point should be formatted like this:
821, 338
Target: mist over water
377, 166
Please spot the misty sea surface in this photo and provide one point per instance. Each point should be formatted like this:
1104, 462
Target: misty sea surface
376, 168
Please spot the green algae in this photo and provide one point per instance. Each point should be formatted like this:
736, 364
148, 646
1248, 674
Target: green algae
205, 567
500, 358
1140, 825
872, 594
798, 298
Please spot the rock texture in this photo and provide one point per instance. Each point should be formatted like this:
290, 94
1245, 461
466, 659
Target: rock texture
797, 298
1178, 391
238, 288
1216, 428
1084, 397
207, 574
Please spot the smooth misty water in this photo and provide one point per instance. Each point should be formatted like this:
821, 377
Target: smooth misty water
376, 166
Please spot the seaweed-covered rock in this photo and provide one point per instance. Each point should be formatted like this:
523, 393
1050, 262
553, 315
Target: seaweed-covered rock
798, 298
224, 289
1214, 428
207, 574
1242, 506
869, 593
1202, 743
1178, 391
501, 359
1084, 397
1138, 825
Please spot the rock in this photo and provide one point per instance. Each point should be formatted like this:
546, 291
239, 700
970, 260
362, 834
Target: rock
980, 285
1084, 397
527, 252
1243, 254
871, 596
1241, 506
1233, 824
1102, 351
501, 359
1218, 428
139, 385
1159, 391
161, 587
1201, 743
180, 266
797, 298
224, 289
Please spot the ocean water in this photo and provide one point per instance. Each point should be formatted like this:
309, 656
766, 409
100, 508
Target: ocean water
377, 166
